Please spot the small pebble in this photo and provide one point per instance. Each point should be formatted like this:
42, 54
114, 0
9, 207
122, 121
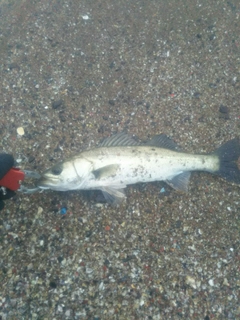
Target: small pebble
13, 65
224, 112
211, 282
223, 109
63, 210
57, 104
40, 210
20, 131
191, 282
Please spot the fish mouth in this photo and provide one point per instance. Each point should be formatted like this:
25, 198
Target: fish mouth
45, 183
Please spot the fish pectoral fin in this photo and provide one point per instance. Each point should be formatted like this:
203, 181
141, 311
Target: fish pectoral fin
180, 182
106, 171
113, 195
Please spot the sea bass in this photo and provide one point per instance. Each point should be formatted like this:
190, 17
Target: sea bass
120, 160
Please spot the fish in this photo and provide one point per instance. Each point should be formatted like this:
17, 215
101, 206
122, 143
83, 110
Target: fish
120, 160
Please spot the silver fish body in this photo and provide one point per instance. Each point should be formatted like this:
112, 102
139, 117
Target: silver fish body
120, 161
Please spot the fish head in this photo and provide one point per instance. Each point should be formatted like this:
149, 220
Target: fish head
63, 176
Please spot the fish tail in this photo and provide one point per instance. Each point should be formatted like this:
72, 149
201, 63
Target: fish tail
229, 161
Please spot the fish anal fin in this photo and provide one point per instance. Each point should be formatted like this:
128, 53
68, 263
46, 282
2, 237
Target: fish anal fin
180, 182
113, 195
106, 171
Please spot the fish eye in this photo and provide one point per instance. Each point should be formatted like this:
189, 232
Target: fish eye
57, 169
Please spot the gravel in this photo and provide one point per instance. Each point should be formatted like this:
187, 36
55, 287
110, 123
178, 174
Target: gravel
73, 72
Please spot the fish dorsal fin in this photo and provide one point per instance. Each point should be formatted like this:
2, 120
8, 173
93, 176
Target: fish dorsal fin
180, 182
119, 139
163, 141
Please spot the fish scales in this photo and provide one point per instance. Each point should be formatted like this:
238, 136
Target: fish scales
142, 164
